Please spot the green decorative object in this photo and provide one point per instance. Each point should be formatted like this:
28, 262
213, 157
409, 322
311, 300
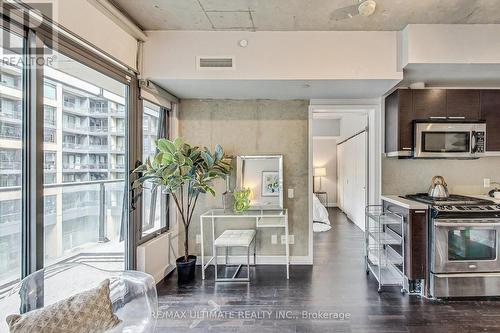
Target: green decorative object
242, 200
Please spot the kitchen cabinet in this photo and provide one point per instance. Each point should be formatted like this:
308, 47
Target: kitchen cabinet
399, 122
404, 106
490, 111
415, 233
463, 104
429, 103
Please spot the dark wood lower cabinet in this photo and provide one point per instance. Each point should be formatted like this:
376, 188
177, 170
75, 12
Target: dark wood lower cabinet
415, 223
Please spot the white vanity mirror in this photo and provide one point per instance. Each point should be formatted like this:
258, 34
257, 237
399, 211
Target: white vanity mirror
263, 175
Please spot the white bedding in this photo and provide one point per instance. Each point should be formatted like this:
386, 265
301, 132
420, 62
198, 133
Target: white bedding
321, 222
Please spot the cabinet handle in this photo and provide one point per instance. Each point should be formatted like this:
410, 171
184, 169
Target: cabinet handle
420, 212
406, 148
456, 117
437, 117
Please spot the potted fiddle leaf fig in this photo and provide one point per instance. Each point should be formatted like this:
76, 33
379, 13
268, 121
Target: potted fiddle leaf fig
184, 172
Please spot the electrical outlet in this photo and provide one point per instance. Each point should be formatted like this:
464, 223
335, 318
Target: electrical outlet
291, 193
486, 182
274, 239
198, 239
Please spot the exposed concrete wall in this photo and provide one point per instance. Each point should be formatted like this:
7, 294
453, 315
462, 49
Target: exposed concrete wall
246, 127
462, 176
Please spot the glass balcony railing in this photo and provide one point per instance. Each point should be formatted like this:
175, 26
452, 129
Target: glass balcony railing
98, 129
75, 166
96, 166
8, 165
99, 110
86, 223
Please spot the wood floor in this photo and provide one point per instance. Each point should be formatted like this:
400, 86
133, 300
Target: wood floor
335, 286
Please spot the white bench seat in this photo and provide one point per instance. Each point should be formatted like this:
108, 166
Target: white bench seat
234, 238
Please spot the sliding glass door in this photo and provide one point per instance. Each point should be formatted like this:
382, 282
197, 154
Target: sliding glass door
85, 165
11, 158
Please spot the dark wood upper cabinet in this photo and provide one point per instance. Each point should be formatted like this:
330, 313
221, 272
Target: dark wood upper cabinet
398, 121
405, 105
463, 104
490, 111
429, 103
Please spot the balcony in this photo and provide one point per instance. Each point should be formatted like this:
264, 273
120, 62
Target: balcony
98, 129
75, 167
98, 148
13, 116
99, 111
117, 112
74, 128
74, 146
102, 202
98, 166
76, 108
10, 165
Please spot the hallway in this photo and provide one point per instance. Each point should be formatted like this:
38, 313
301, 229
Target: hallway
336, 286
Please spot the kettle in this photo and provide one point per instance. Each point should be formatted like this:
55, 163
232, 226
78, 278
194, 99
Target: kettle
438, 188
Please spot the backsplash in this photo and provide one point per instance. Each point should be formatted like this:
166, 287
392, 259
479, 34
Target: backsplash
462, 176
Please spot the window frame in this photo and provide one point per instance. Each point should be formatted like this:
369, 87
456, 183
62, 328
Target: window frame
163, 131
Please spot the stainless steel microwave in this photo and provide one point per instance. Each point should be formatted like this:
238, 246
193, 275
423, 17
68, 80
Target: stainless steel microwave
449, 139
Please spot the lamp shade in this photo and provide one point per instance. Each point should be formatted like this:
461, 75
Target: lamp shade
319, 172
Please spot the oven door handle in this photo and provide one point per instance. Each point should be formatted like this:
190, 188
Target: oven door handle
467, 224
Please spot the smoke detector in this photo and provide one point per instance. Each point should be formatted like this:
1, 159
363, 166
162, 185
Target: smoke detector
367, 8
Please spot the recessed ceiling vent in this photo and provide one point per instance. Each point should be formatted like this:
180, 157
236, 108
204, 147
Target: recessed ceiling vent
214, 63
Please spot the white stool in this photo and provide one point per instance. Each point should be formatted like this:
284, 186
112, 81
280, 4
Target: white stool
235, 238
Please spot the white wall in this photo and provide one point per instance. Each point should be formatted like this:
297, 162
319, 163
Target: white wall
309, 55
450, 43
326, 127
351, 124
325, 156
84, 20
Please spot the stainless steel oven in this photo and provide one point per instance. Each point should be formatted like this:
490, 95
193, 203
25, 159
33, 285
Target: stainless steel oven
464, 252
449, 139
466, 245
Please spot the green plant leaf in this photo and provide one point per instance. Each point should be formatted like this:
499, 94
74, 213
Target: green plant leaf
178, 143
207, 158
219, 152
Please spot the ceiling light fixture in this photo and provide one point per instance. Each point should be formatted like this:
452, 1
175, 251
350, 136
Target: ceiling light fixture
243, 43
367, 8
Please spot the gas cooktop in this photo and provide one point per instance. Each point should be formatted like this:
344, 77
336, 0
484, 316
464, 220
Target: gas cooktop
453, 199
457, 203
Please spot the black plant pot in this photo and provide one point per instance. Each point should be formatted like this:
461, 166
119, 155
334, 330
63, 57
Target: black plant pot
185, 270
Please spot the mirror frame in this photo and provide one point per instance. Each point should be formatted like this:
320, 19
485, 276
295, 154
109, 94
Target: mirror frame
239, 177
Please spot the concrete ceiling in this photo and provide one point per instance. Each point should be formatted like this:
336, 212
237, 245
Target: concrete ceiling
297, 15
277, 89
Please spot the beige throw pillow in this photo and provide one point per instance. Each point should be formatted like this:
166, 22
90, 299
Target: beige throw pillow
87, 312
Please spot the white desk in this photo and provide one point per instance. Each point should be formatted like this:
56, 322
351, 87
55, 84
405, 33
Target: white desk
263, 219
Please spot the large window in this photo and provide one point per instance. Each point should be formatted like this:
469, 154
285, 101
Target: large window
154, 212
11, 159
87, 226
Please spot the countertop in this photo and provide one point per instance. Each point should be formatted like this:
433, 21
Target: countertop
406, 203
411, 204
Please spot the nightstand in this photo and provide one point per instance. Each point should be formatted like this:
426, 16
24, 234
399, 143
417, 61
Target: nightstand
323, 197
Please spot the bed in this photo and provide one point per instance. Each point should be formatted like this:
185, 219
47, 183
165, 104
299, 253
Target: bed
321, 223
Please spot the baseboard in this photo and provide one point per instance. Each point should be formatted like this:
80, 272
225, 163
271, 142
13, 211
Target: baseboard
261, 260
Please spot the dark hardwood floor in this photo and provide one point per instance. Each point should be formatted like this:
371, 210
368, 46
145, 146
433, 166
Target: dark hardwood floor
336, 285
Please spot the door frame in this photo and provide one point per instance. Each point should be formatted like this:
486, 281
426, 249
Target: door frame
373, 109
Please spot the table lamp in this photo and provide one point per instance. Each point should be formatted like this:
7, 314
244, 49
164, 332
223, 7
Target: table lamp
320, 172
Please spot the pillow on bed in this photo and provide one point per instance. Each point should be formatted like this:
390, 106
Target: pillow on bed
87, 312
